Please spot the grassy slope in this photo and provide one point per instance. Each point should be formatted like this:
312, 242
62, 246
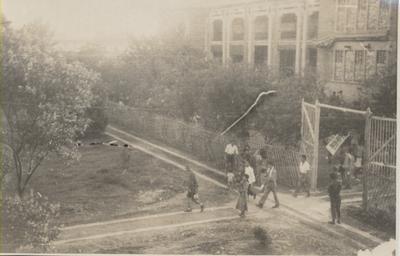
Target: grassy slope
96, 188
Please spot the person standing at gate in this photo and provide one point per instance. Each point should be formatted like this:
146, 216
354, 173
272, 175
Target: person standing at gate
231, 155
192, 194
270, 186
334, 197
348, 166
304, 178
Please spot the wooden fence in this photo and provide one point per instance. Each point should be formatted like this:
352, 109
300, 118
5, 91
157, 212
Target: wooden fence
205, 145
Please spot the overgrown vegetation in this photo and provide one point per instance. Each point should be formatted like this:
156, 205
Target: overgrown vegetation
30, 222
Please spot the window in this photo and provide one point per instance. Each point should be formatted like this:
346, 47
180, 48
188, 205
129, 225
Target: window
339, 65
287, 59
216, 51
359, 62
288, 26
357, 65
381, 57
237, 53
312, 55
260, 54
237, 29
346, 15
313, 26
217, 30
261, 28
362, 15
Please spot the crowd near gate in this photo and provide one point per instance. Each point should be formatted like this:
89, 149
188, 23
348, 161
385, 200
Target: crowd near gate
191, 138
379, 157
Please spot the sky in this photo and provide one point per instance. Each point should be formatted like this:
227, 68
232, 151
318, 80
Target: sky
86, 21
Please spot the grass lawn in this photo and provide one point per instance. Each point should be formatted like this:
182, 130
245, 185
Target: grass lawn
97, 188
286, 235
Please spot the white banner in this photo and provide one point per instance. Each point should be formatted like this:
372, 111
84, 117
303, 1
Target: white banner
335, 143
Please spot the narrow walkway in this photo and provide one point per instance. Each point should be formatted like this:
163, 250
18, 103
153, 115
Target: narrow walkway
142, 224
312, 210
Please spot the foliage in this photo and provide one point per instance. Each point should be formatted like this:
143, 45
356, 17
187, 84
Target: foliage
94, 57
380, 92
29, 222
47, 98
174, 79
262, 236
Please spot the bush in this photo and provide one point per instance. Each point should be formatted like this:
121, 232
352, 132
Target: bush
31, 221
262, 236
98, 119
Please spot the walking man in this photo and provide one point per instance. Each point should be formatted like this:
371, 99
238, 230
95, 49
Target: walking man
270, 186
192, 191
304, 178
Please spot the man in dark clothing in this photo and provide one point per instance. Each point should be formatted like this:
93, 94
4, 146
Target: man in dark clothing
192, 191
334, 196
270, 185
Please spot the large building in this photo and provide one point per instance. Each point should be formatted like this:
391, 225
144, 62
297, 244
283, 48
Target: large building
344, 41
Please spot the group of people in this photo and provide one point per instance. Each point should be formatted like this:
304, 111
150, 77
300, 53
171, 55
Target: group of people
244, 172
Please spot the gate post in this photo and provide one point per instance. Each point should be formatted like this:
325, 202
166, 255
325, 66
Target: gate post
314, 173
366, 157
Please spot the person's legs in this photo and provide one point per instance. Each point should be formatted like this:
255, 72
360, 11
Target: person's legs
307, 184
333, 211
275, 198
264, 197
298, 186
188, 204
338, 204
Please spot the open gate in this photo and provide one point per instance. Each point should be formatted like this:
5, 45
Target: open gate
310, 115
380, 167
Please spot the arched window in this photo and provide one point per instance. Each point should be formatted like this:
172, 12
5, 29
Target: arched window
217, 30
288, 26
237, 29
313, 25
261, 28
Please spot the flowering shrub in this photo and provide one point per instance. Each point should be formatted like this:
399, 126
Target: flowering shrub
31, 221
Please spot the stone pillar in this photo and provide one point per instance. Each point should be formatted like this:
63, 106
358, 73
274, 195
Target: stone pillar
298, 40
271, 20
250, 39
228, 37
207, 37
304, 39
224, 38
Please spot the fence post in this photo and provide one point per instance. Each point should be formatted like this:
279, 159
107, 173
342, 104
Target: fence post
314, 174
366, 157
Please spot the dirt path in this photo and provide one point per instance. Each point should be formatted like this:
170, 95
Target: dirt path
312, 212
142, 224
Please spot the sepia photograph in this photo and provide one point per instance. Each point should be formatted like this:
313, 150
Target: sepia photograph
199, 127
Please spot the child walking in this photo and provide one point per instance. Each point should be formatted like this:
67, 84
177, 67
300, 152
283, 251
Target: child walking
334, 196
241, 204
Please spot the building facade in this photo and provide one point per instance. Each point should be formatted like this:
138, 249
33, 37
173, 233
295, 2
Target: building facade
342, 41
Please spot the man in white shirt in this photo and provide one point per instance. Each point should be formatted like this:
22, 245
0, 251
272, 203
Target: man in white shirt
304, 178
231, 153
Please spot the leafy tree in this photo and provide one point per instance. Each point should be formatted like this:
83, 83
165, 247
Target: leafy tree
46, 99
380, 92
